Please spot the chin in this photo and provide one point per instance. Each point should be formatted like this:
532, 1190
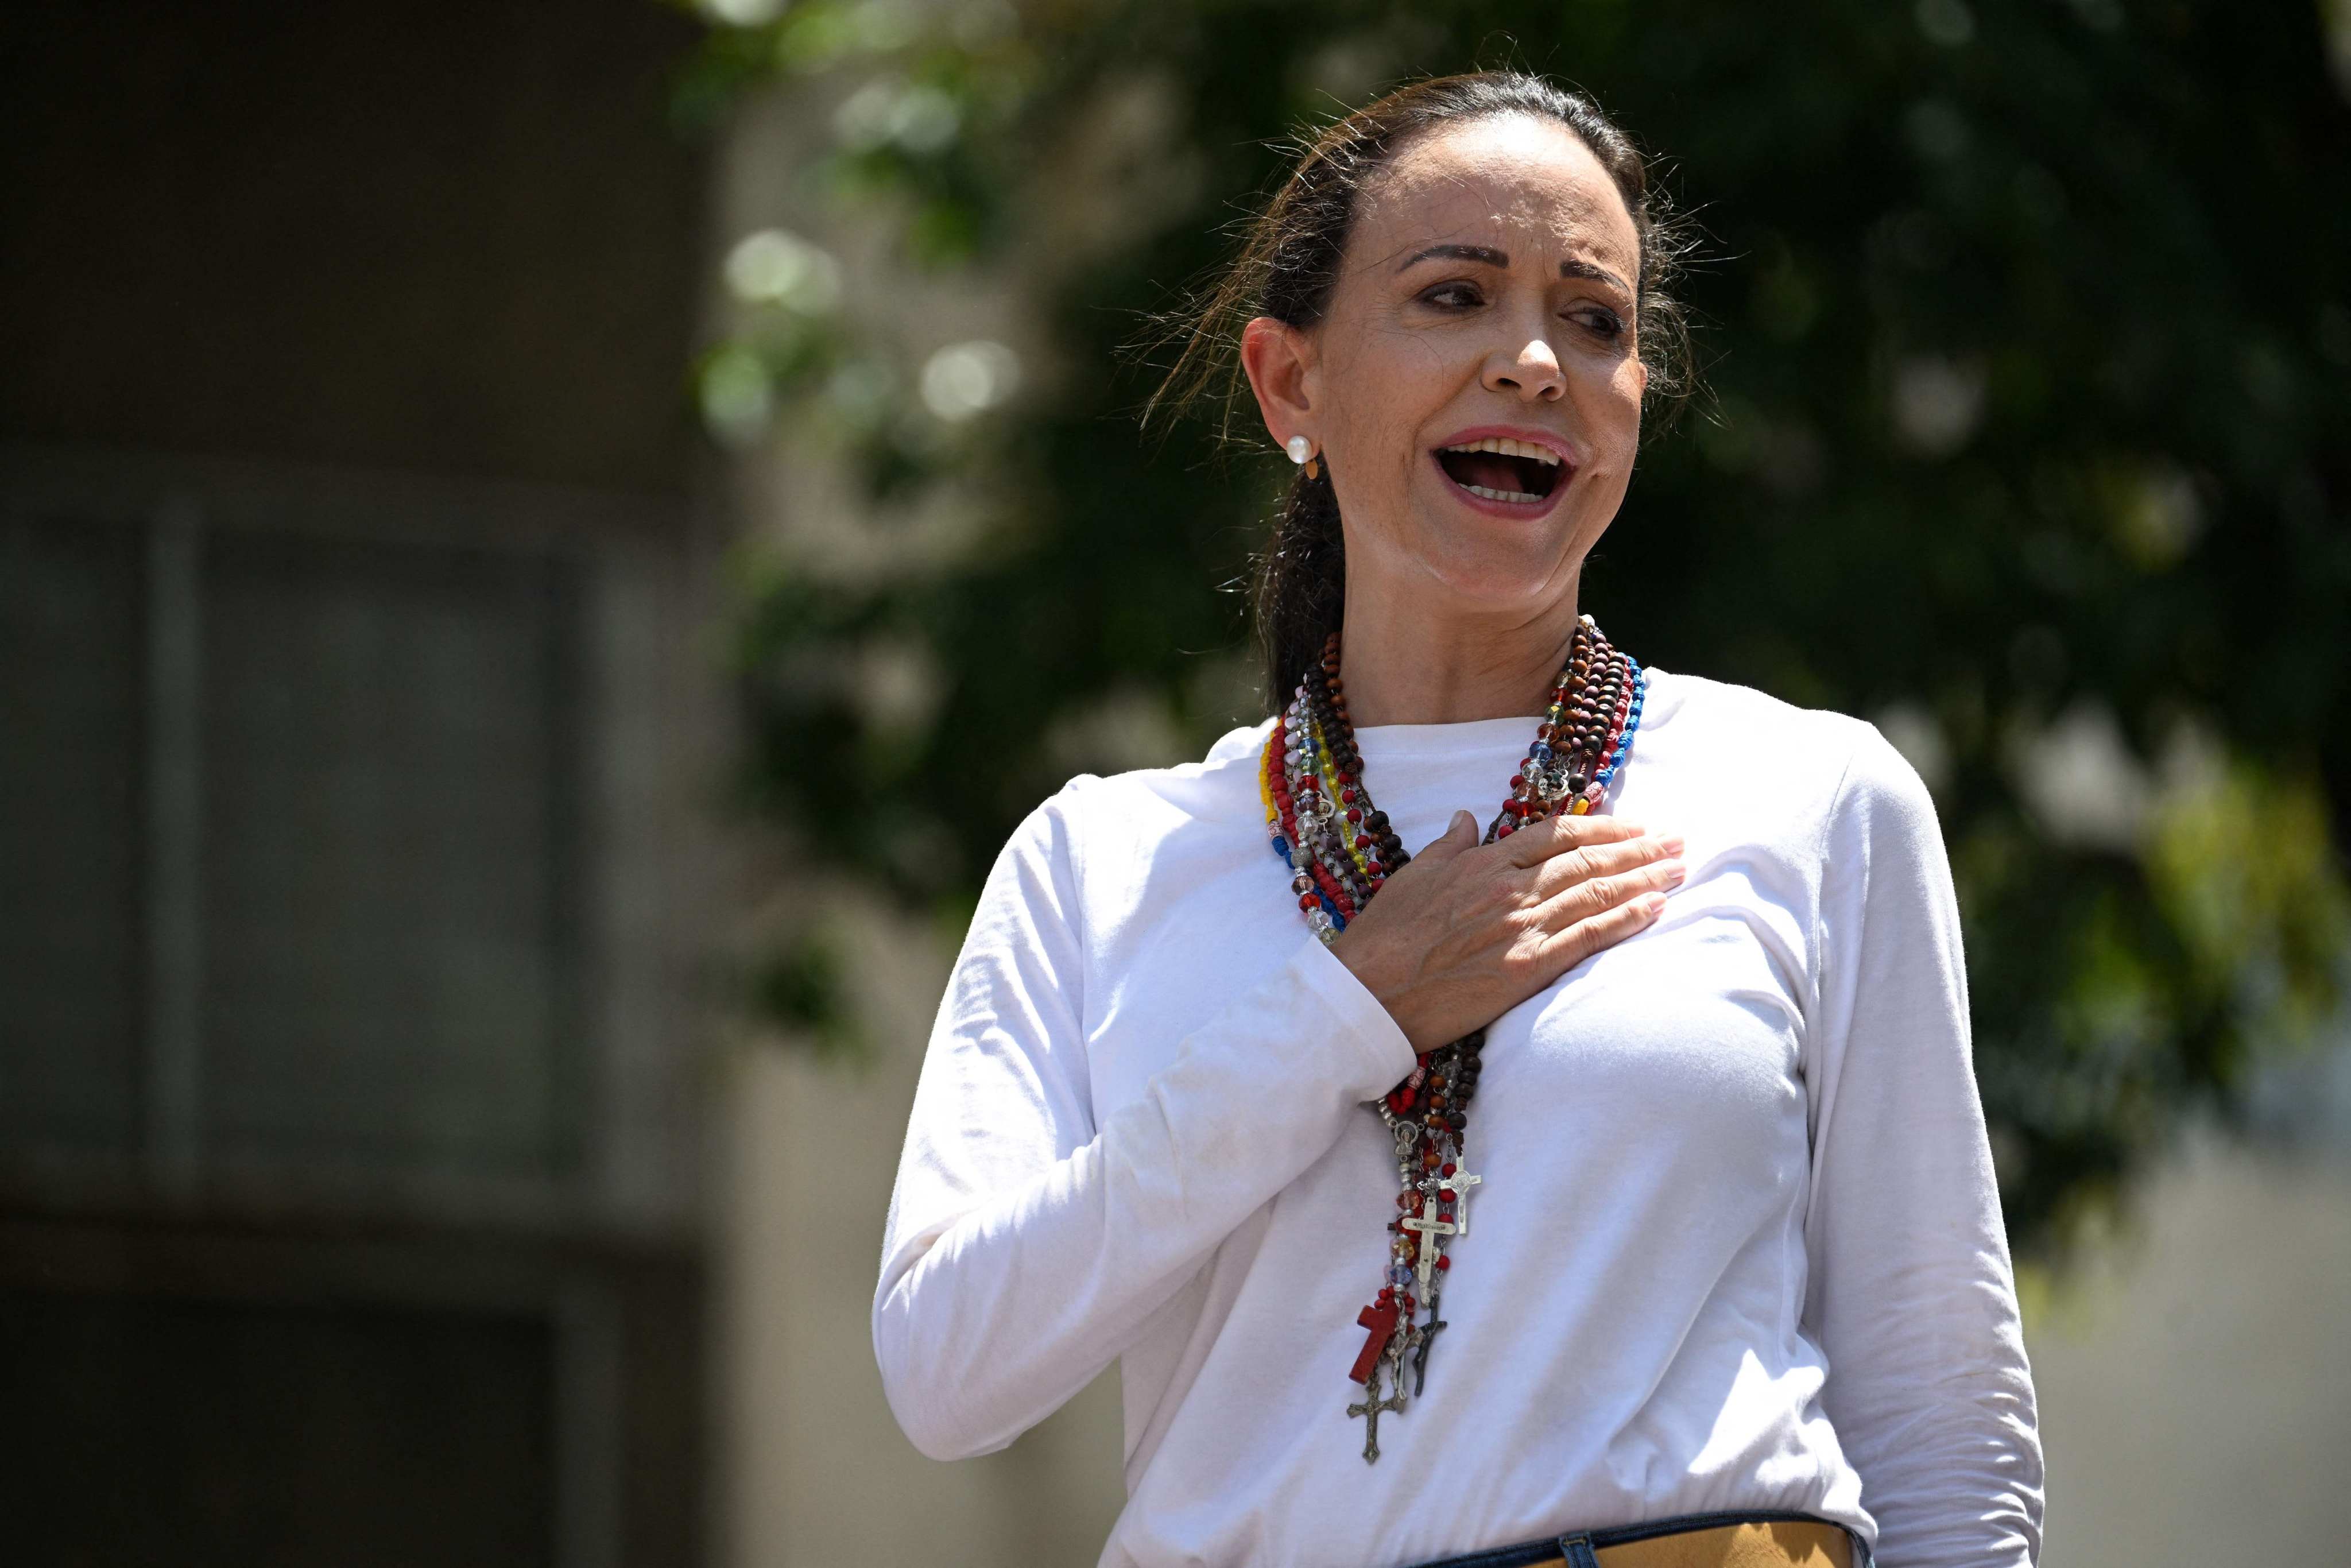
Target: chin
1495, 564
1498, 577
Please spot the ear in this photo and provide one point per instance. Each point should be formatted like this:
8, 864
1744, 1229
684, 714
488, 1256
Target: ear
1282, 372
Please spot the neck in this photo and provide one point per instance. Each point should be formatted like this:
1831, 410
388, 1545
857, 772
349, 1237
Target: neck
1412, 664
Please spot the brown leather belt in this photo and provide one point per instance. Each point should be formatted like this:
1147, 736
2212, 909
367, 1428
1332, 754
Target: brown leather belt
1778, 1543
1759, 1538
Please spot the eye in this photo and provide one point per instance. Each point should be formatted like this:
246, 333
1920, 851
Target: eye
1458, 295
1600, 320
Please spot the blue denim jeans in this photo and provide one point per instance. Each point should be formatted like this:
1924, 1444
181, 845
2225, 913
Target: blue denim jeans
1577, 1548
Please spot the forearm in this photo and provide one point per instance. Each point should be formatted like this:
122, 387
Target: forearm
993, 1311
1929, 1386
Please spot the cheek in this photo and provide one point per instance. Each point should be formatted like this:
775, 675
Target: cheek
1632, 383
1391, 380
1613, 410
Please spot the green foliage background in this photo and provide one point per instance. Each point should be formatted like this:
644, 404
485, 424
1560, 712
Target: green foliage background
2029, 333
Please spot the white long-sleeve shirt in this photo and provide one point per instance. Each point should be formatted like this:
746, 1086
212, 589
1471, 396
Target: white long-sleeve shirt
1739, 1244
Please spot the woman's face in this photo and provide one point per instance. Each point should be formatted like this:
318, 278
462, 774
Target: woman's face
1486, 296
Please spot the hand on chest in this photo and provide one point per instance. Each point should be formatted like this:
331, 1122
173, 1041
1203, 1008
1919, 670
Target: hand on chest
1691, 1031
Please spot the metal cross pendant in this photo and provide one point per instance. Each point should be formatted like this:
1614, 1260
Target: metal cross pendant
1458, 1185
1430, 1229
1371, 1407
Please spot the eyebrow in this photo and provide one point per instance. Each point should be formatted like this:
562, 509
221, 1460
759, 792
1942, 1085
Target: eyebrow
1489, 256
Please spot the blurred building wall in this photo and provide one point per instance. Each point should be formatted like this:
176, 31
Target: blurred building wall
357, 874
2196, 1404
439, 238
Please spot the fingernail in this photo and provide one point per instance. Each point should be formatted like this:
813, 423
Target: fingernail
1672, 845
1675, 872
1656, 904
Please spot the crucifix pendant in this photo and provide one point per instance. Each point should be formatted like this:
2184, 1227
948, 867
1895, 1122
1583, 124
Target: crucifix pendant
1457, 1187
1373, 1405
1429, 1227
1427, 1335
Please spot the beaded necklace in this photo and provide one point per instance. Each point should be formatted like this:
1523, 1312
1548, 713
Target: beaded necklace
1340, 849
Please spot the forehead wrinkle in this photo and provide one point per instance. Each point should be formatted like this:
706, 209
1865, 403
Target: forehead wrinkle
1570, 217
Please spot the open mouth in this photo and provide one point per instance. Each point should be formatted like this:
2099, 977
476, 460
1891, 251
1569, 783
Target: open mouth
1500, 469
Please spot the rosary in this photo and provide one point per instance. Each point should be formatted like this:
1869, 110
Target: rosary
1339, 848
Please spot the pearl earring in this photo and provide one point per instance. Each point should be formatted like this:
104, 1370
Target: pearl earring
1301, 452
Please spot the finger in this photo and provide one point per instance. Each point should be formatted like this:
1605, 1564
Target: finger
1556, 835
1593, 896
1460, 833
1580, 941
1563, 870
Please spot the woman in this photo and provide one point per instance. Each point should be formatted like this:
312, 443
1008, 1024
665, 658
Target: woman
1737, 1290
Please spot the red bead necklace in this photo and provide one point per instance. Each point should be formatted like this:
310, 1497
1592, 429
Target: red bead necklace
1340, 849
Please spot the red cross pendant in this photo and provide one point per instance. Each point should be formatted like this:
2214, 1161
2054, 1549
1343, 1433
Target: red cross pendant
1381, 1319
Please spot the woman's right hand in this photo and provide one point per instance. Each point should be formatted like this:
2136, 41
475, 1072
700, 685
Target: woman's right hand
1468, 931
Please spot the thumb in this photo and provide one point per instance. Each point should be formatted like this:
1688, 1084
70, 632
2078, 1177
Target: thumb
1460, 833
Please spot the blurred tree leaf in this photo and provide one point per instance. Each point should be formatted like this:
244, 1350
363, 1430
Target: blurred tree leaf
802, 986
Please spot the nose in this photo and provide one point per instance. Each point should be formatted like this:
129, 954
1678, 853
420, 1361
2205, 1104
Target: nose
1532, 372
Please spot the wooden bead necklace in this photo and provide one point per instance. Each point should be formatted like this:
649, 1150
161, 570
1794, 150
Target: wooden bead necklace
1340, 849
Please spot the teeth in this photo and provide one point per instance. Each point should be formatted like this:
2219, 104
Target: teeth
1509, 448
1494, 494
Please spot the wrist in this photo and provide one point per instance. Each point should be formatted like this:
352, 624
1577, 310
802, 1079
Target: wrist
1386, 988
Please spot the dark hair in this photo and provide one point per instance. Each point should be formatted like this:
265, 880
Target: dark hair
1289, 263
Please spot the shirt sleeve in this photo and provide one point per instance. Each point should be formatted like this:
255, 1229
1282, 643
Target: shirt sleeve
1910, 1290
1026, 1245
